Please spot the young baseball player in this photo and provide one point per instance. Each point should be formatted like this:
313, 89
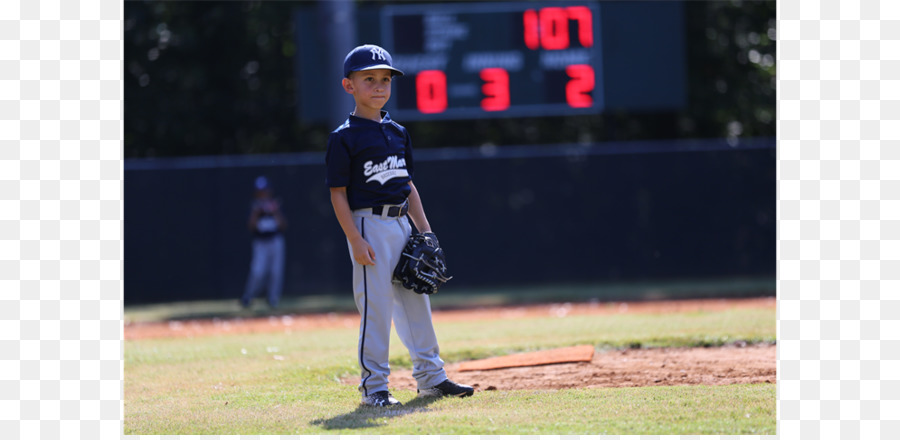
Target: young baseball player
267, 224
369, 172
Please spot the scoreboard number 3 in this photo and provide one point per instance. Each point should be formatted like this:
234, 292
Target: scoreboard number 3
495, 89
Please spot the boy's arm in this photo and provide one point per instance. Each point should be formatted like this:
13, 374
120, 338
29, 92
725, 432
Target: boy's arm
362, 251
416, 211
279, 217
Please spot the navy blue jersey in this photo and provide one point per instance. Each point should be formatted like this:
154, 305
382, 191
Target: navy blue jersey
266, 225
373, 160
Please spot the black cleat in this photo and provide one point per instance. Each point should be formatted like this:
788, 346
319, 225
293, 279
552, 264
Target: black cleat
380, 398
447, 388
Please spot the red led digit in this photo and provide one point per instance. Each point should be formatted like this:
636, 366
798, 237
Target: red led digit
530, 20
582, 15
495, 89
554, 28
431, 91
578, 88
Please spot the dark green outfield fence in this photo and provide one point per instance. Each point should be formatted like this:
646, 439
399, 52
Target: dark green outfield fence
527, 215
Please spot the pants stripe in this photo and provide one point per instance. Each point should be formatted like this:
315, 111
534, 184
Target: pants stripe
362, 343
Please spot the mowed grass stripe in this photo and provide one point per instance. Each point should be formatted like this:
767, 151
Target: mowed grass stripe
726, 410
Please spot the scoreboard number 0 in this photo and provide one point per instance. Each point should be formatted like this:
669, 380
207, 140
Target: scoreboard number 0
431, 91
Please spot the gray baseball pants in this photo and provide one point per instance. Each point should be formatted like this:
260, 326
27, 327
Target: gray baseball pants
379, 300
266, 266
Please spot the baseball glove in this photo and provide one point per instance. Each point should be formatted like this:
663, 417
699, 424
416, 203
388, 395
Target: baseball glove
422, 266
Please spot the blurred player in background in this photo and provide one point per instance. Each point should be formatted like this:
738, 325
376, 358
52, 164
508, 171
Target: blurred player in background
267, 224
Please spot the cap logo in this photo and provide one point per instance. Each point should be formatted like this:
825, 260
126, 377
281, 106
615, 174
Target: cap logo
378, 53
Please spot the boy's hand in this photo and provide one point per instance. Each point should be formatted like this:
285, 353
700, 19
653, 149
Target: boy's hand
363, 252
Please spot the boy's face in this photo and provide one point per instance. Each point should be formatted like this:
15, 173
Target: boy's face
370, 88
263, 193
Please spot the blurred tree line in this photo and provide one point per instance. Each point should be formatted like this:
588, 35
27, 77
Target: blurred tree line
214, 78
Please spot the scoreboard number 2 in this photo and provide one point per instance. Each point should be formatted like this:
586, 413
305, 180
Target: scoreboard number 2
580, 85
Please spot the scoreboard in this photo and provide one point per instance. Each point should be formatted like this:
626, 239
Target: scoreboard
477, 60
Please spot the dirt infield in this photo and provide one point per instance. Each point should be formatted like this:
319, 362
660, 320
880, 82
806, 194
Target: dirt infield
736, 363
624, 368
294, 322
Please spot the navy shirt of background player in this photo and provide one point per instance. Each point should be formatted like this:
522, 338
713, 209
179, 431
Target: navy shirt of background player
373, 160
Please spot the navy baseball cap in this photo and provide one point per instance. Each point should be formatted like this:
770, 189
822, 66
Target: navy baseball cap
261, 183
369, 57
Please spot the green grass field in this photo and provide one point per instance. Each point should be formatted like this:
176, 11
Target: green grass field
290, 383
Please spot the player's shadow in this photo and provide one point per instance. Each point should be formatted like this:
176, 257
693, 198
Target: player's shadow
368, 417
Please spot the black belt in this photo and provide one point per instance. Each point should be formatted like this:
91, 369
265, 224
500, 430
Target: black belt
392, 211
266, 236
